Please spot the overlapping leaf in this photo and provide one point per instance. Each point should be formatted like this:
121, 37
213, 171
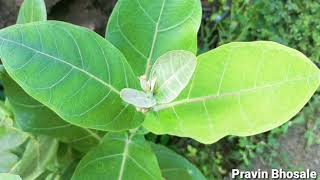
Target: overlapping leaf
10, 139
174, 166
238, 89
39, 153
71, 70
145, 30
119, 156
34, 117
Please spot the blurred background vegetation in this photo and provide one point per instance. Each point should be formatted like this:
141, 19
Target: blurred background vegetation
295, 23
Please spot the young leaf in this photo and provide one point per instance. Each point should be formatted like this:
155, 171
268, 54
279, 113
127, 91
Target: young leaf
172, 72
73, 71
119, 156
174, 166
145, 30
30, 115
6, 176
238, 89
137, 98
32, 11
38, 154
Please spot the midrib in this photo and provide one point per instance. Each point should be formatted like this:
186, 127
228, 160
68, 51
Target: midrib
155, 35
215, 96
124, 156
67, 63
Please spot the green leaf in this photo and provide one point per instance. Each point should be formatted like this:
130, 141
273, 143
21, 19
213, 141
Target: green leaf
145, 30
39, 152
172, 72
238, 89
11, 138
6, 176
73, 71
174, 166
119, 156
8, 160
6, 115
30, 114
32, 11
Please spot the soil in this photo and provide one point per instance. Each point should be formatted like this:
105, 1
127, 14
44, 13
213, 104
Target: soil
300, 156
92, 14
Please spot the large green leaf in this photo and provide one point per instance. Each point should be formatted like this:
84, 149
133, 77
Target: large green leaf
73, 71
32, 11
36, 118
144, 30
238, 89
173, 166
31, 115
119, 156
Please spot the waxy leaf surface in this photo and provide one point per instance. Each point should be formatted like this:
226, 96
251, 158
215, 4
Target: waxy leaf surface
32, 11
36, 118
173, 166
73, 71
238, 89
144, 30
121, 157
31, 115
137, 98
172, 72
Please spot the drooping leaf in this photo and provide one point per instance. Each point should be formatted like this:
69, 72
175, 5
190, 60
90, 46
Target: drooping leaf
172, 72
238, 89
6, 176
119, 156
32, 11
6, 114
39, 152
173, 166
73, 71
145, 30
34, 117
11, 138
7, 161
137, 98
